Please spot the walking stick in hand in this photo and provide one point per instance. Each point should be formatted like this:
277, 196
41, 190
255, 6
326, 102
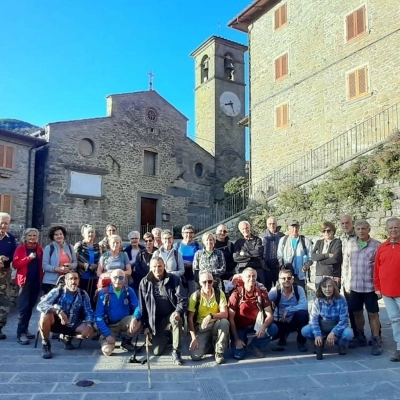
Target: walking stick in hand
148, 361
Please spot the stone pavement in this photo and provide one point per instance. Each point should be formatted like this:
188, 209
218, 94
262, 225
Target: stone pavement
283, 375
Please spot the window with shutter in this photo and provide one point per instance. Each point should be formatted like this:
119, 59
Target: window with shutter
356, 23
281, 16
282, 116
357, 83
281, 67
5, 203
150, 163
6, 157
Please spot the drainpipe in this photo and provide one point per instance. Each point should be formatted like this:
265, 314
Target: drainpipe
249, 128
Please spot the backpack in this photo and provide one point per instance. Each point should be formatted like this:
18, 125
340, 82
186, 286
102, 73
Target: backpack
279, 294
52, 249
302, 241
217, 293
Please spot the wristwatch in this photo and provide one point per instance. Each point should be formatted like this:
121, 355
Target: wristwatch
211, 315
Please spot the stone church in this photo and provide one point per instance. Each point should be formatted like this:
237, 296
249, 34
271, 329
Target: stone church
136, 166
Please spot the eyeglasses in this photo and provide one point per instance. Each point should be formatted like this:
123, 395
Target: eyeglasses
209, 281
327, 231
148, 240
118, 277
286, 278
222, 231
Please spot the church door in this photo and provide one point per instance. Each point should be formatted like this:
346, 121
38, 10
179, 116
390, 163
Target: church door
148, 214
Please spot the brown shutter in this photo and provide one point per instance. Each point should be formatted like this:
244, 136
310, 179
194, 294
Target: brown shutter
277, 19
2, 156
284, 65
350, 27
277, 68
360, 18
285, 115
362, 81
283, 14
278, 117
9, 162
5, 203
352, 85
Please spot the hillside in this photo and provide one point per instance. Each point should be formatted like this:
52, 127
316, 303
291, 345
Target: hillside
15, 125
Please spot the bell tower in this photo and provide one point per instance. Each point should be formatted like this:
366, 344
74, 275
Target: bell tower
220, 105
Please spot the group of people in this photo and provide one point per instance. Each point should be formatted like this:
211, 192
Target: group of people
245, 293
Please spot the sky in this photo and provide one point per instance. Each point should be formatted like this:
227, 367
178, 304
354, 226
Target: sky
61, 58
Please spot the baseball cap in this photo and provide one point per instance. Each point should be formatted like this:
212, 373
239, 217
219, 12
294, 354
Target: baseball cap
293, 222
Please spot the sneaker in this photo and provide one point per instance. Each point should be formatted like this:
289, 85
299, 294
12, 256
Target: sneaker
342, 350
257, 352
23, 339
396, 356
127, 344
2, 335
302, 347
219, 358
176, 357
30, 335
282, 342
68, 343
46, 352
376, 347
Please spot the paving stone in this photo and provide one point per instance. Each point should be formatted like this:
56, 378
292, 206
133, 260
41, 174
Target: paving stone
96, 388
49, 377
351, 365
178, 395
213, 389
58, 396
365, 377
21, 388
6, 376
150, 395
258, 396
16, 396
381, 362
124, 376
181, 386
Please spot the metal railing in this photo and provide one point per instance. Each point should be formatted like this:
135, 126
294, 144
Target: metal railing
357, 140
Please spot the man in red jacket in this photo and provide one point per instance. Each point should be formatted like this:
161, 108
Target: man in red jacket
385, 273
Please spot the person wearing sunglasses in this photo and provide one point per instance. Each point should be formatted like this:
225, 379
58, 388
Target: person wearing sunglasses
208, 323
328, 255
117, 311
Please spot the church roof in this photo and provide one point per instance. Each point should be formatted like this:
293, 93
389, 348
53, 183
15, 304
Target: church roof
218, 39
19, 137
251, 13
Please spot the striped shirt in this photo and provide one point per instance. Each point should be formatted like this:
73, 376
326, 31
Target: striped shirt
336, 311
358, 265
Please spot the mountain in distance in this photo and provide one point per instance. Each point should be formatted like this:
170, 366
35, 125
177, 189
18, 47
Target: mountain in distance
17, 126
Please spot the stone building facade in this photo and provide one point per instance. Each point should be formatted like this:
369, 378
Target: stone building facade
17, 172
316, 69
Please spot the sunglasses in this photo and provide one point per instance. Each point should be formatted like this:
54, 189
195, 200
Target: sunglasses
223, 232
327, 231
118, 277
209, 281
148, 240
286, 278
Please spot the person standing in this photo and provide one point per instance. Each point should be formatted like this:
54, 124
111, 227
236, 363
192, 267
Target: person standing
271, 242
387, 262
157, 232
227, 247
8, 245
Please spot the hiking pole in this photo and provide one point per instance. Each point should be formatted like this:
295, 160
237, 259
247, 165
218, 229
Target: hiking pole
148, 361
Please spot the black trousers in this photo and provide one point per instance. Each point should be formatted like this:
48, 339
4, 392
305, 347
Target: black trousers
271, 278
299, 319
28, 295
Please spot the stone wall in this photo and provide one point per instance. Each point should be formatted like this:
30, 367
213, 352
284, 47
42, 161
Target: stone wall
319, 60
119, 144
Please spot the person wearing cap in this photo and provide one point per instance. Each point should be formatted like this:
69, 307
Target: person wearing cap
294, 252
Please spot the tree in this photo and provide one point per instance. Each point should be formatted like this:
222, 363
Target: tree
236, 195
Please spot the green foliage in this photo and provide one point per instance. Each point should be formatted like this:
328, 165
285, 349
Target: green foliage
236, 185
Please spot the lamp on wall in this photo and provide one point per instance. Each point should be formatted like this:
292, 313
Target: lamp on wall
165, 217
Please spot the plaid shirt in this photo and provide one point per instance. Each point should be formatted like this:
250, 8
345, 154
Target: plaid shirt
213, 263
358, 265
334, 311
78, 310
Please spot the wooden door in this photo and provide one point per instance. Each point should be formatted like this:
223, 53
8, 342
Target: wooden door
148, 214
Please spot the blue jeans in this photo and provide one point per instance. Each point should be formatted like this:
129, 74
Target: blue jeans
343, 340
260, 343
393, 310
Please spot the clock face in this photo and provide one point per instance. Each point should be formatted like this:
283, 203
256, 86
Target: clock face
230, 104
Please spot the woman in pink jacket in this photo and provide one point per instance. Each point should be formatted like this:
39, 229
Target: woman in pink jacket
28, 263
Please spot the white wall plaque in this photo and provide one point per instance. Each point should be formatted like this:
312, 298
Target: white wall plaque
85, 184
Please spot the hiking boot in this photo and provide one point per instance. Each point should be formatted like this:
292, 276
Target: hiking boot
376, 346
219, 358
46, 352
372, 338
282, 342
361, 339
176, 357
342, 350
318, 350
396, 356
22, 339
353, 343
127, 344
2, 335
256, 351
68, 343
30, 335
302, 347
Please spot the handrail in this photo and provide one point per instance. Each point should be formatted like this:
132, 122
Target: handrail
342, 148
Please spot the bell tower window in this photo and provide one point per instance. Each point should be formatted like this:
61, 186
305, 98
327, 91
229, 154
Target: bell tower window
229, 67
204, 69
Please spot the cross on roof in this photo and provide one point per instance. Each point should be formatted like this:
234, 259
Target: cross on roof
151, 76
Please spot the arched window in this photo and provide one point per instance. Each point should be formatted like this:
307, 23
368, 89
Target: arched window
229, 66
204, 68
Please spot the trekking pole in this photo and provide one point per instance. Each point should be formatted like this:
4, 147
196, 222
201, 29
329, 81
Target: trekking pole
148, 361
